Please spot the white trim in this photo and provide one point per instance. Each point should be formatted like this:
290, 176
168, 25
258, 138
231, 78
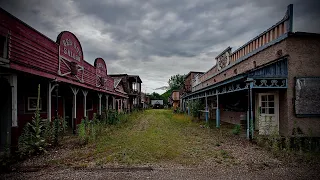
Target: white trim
100, 109
85, 93
14, 89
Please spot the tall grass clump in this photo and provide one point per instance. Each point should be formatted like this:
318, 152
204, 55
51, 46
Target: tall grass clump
40, 133
89, 130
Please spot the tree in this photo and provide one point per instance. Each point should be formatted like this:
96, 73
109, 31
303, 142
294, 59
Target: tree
155, 96
176, 82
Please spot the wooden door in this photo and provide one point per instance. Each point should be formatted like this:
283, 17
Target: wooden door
268, 113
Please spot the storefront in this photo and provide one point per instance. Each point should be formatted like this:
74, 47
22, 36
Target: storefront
269, 84
70, 87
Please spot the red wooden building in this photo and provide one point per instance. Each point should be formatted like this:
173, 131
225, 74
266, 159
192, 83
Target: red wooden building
70, 86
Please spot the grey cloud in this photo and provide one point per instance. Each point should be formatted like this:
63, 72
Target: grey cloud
157, 39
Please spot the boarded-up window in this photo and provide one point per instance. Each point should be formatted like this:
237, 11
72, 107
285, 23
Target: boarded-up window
3, 46
307, 102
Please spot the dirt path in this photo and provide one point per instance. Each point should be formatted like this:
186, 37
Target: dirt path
160, 145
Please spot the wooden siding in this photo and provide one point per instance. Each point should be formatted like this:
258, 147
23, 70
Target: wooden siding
32, 52
277, 69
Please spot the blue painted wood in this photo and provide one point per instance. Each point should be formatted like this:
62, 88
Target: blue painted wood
217, 118
277, 69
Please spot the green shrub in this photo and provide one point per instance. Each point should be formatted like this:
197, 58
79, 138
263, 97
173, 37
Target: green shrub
236, 129
83, 134
194, 107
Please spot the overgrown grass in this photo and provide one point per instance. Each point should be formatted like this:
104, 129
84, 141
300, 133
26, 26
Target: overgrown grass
152, 136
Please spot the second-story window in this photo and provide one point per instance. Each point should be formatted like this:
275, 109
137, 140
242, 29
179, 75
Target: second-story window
3, 46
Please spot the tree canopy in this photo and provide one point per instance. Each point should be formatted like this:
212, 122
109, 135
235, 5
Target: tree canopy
176, 82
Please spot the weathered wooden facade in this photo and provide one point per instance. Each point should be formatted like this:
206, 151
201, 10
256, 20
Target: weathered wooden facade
132, 87
269, 84
70, 87
175, 99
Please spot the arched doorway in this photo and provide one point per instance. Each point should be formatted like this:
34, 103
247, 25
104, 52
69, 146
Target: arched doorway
5, 114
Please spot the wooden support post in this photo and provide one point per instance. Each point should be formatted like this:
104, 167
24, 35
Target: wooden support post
74, 108
251, 110
14, 93
217, 112
100, 108
188, 107
249, 82
85, 93
207, 109
113, 102
49, 98
107, 102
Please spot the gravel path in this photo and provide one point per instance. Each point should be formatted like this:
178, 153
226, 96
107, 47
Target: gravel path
172, 173
233, 158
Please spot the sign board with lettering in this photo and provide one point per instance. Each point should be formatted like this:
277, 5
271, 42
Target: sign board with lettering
70, 56
101, 68
70, 47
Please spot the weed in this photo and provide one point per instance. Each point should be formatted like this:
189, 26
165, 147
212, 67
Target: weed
236, 129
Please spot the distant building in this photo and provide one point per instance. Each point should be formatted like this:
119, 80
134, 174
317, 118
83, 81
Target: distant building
156, 104
175, 99
131, 84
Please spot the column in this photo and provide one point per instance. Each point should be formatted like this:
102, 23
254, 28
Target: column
85, 93
251, 109
217, 112
74, 108
189, 107
14, 89
49, 98
207, 109
107, 102
113, 102
100, 95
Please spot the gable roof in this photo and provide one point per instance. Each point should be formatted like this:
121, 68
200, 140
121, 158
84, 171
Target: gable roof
116, 82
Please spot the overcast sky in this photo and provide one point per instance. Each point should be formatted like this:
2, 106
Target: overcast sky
159, 38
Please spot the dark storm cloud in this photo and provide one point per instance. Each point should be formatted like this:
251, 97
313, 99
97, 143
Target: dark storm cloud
157, 39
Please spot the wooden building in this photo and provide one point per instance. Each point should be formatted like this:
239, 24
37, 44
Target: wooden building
70, 86
132, 87
271, 82
175, 99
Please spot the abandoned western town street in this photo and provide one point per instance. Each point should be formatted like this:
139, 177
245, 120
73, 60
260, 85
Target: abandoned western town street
134, 89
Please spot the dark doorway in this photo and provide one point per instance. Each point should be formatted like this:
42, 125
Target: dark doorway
68, 111
5, 114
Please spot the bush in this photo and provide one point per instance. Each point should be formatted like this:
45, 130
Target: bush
195, 106
236, 129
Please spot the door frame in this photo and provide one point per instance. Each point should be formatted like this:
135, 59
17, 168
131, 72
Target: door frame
276, 108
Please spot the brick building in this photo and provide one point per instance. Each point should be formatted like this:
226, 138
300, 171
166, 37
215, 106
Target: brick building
271, 83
